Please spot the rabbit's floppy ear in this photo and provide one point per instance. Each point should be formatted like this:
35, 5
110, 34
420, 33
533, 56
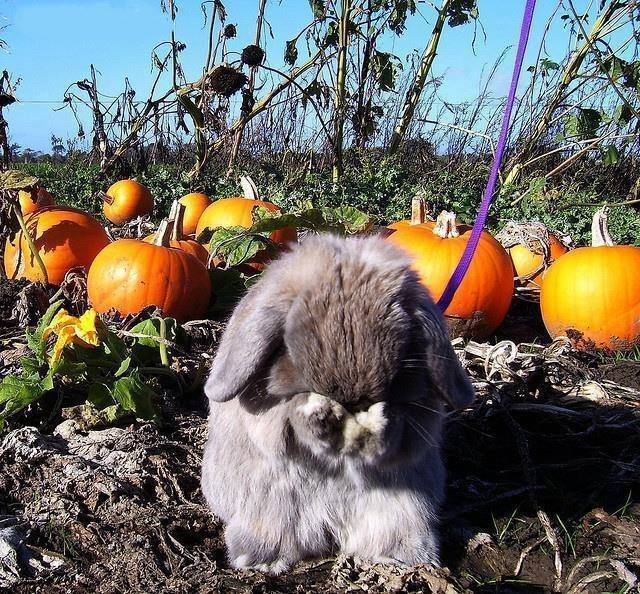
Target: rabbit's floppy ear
448, 378
253, 334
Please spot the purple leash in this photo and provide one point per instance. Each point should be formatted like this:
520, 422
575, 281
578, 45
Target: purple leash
481, 219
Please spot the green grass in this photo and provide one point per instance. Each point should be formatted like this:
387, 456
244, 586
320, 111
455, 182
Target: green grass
571, 537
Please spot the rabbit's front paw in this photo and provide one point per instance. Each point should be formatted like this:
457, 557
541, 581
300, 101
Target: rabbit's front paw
276, 567
323, 419
365, 432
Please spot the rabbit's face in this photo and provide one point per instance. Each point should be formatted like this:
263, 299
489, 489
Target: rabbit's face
346, 339
345, 318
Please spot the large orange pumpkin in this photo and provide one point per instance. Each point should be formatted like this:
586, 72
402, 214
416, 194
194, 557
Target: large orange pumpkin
129, 275
177, 239
34, 199
482, 300
195, 204
592, 294
65, 237
125, 200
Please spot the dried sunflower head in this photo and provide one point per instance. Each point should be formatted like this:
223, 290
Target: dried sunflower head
252, 55
226, 81
230, 31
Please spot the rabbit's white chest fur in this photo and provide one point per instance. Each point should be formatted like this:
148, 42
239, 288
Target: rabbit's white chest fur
311, 507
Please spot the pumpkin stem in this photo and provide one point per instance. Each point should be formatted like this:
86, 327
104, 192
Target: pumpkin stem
176, 218
446, 226
249, 188
100, 195
163, 234
599, 228
418, 211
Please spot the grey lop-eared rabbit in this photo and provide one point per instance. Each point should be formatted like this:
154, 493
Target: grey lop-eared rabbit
326, 410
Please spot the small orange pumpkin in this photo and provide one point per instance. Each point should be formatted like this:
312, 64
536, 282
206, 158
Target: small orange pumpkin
34, 199
482, 300
532, 248
526, 262
592, 294
125, 200
238, 212
65, 237
195, 204
177, 239
129, 275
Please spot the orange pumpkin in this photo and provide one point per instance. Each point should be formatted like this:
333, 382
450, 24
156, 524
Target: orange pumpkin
592, 294
238, 212
482, 300
527, 262
177, 239
65, 237
532, 249
129, 275
125, 200
33, 200
195, 204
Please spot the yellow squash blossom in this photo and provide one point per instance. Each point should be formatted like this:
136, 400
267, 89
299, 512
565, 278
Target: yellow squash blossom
85, 331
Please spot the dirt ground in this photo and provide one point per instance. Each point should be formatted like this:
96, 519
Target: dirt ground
544, 474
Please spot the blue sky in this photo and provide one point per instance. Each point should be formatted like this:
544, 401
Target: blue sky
53, 42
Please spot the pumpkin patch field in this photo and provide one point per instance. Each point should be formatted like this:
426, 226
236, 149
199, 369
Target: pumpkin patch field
103, 415
164, 186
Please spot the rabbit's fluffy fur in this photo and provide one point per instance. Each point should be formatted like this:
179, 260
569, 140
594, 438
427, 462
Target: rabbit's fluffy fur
326, 410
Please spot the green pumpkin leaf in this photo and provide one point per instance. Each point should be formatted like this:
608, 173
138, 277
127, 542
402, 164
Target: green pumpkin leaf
115, 347
623, 115
342, 220
151, 328
584, 125
235, 245
100, 396
353, 220
16, 393
70, 368
124, 367
386, 68
135, 396
230, 285
112, 413
147, 347
31, 366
